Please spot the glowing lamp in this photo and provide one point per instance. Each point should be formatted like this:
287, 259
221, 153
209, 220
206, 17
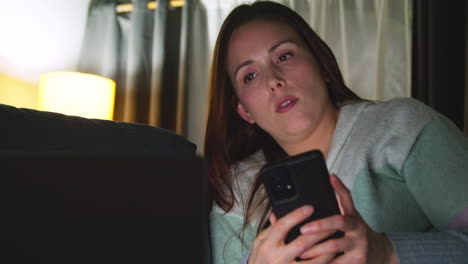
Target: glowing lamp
78, 94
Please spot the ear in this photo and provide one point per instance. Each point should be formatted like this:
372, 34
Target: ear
244, 114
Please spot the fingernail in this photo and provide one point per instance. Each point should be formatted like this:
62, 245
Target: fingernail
305, 256
307, 209
304, 229
307, 229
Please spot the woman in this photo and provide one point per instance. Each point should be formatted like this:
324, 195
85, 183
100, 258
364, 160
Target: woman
277, 91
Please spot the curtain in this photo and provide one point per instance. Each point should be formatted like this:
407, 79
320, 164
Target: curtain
440, 57
131, 48
161, 58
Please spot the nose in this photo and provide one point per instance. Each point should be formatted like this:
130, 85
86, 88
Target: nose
275, 82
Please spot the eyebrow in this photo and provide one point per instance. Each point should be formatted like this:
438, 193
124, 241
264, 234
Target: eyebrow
270, 50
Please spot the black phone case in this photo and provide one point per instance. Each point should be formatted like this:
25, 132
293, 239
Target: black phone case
310, 179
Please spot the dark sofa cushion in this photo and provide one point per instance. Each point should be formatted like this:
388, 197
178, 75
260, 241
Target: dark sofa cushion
30, 131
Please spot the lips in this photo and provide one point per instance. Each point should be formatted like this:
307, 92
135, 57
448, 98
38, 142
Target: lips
285, 104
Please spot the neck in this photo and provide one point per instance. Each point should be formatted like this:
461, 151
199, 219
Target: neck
320, 138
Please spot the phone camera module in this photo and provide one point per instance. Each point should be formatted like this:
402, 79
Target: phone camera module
283, 187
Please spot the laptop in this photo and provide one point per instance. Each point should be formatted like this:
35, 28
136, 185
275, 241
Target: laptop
82, 208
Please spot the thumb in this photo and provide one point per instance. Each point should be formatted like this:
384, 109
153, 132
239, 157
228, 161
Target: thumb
272, 218
344, 195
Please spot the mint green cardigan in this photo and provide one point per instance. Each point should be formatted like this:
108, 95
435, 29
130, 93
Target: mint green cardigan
407, 168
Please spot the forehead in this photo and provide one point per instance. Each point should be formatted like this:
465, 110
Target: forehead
267, 26
258, 36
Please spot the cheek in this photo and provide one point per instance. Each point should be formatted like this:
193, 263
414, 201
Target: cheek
251, 98
308, 77
307, 71
248, 99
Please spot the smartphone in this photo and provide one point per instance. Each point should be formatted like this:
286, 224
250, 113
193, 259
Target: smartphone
301, 180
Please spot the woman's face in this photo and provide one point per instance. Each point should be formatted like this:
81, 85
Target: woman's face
277, 81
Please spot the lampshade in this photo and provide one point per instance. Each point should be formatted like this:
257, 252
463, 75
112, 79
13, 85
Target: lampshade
79, 94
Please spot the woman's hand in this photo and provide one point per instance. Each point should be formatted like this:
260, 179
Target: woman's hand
360, 243
269, 246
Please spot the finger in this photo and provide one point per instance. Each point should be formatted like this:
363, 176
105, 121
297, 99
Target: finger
319, 260
331, 223
283, 225
331, 246
344, 195
272, 219
303, 243
351, 257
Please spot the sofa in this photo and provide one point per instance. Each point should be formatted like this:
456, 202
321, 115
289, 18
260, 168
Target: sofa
30, 131
27, 131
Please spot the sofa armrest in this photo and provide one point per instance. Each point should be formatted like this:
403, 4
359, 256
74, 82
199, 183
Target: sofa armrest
31, 131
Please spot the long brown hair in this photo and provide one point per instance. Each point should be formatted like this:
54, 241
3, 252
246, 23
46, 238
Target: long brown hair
229, 139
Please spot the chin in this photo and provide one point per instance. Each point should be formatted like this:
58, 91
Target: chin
299, 129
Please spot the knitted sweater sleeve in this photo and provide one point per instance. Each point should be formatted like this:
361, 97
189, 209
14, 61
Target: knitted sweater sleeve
436, 173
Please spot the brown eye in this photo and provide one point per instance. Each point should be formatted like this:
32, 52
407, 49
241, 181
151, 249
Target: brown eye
284, 57
249, 77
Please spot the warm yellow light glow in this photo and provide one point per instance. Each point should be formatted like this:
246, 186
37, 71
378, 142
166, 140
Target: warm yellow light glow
176, 3
78, 94
152, 5
17, 92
